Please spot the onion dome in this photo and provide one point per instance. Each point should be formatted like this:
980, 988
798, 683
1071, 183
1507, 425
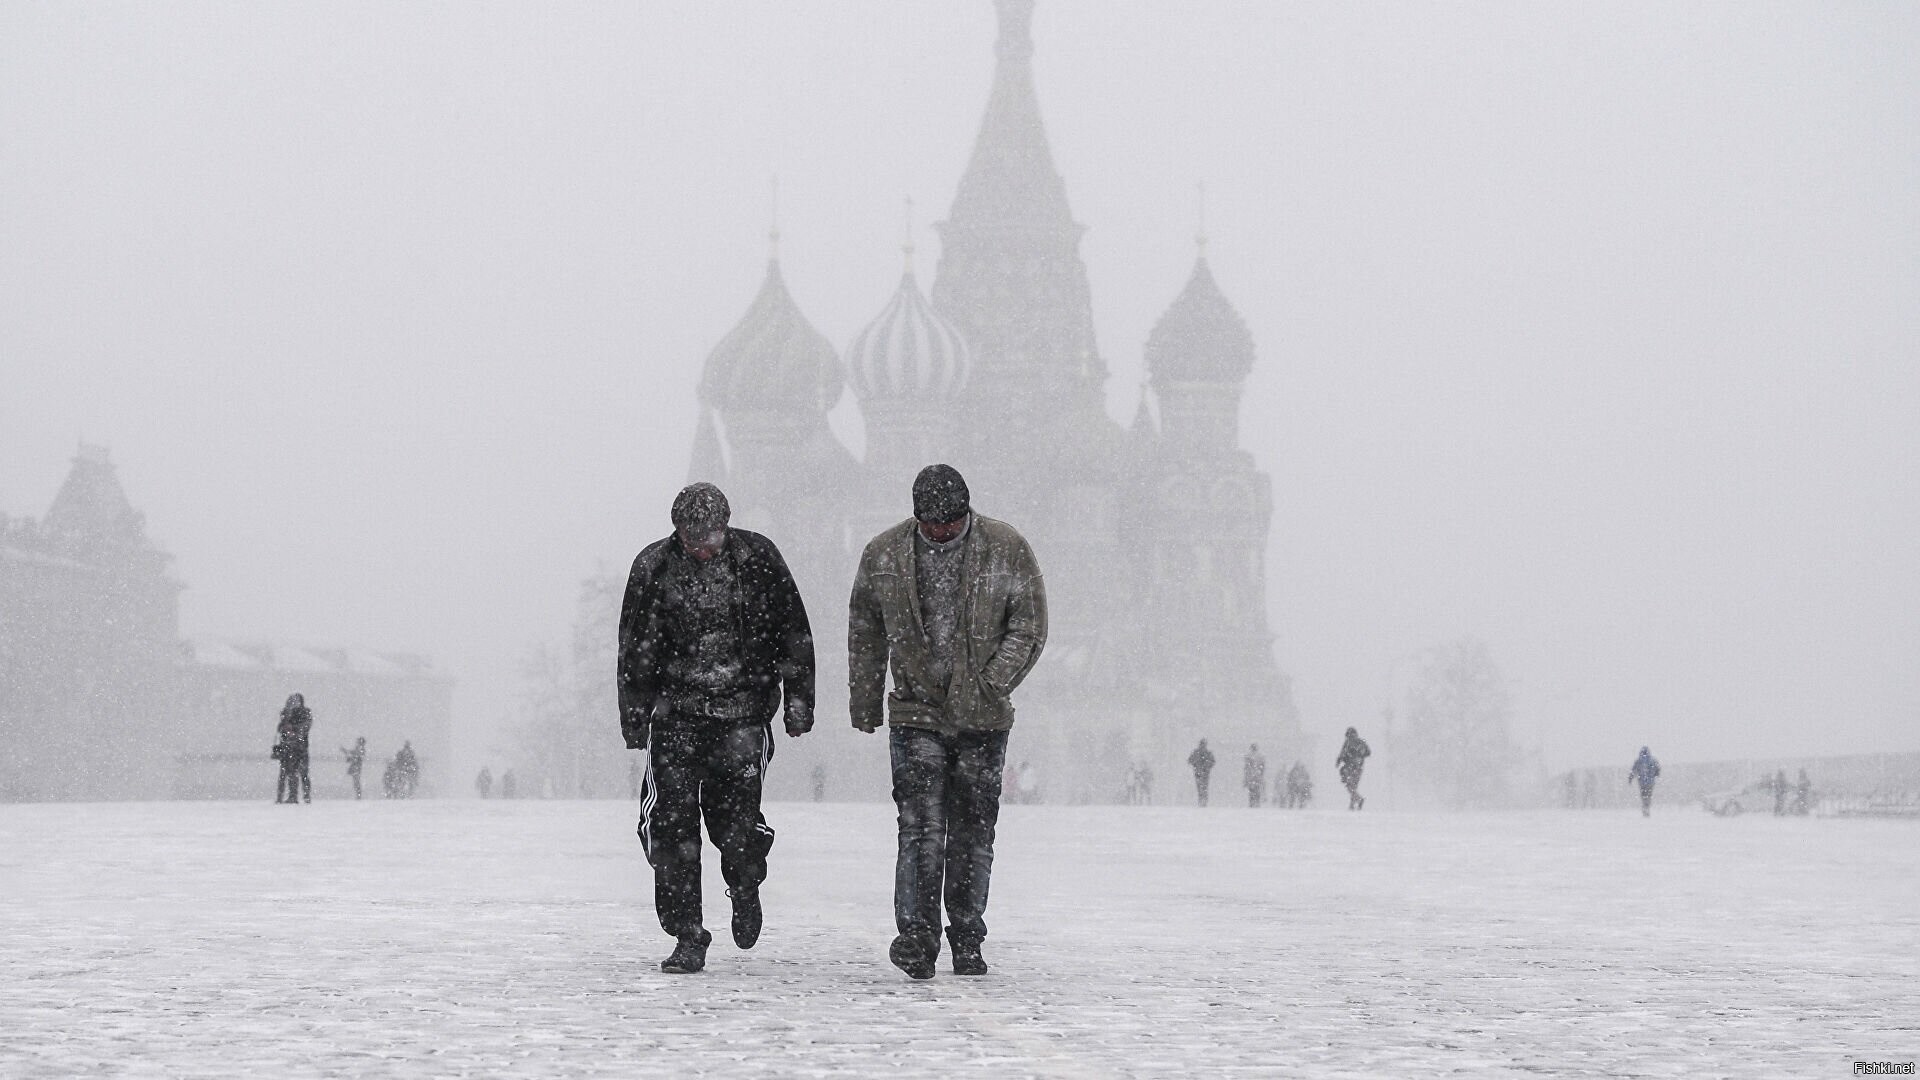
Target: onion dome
908, 352
773, 360
1200, 338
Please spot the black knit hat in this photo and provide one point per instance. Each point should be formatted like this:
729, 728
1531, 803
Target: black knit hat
940, 495
700, 507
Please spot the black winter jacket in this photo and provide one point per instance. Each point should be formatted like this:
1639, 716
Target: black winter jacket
776, 640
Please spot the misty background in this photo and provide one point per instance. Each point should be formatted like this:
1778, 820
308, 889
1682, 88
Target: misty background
1587, 331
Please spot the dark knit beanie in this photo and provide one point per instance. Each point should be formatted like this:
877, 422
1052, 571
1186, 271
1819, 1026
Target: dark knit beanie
700, 507
939, 495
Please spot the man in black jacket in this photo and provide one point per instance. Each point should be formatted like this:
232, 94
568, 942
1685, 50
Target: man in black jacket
713, 637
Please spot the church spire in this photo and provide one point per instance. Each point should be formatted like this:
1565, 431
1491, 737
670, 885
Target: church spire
1016, 30
1010, 275
1010, 176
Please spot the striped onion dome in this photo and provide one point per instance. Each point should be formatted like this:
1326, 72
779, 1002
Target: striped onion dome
1200, 338
773, 360
908, 352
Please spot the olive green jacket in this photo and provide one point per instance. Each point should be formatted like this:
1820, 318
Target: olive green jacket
1003, 619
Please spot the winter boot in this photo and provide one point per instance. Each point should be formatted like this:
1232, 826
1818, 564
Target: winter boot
689, 956
914, 955
746, 915
967, 959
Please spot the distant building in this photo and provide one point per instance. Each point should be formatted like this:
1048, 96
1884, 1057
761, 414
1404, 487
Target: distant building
89, 635
101, 699
1153, 536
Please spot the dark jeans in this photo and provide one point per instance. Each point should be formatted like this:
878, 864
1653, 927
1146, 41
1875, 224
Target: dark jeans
293, 777
947, 789
703, 768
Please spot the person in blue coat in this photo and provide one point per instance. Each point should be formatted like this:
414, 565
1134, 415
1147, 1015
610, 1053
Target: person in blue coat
1645, 770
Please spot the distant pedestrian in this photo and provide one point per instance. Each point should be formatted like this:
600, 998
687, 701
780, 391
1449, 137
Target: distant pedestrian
356, 761
1201, 761
484, 783
1299, 786
1352, 760
1644, 772
1146, 784
294, 731
508, 786
819, 782
1780, 793
1255, 775
407, 766
1803, 795
1028, 781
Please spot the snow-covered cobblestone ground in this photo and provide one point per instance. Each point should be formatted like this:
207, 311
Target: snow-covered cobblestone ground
464, 938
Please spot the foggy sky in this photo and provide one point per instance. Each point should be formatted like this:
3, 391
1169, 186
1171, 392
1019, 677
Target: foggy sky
1587, 330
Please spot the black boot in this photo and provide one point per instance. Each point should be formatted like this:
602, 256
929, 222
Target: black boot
746, 915
914, 955
689, 956
967, 959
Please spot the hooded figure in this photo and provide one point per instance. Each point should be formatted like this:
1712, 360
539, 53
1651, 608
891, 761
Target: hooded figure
1201, 761
294, 736
1645, 770
1352, 760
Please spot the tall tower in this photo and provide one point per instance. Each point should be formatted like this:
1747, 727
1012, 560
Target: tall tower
1038, 447
89, 647
1011, 278
1208, 509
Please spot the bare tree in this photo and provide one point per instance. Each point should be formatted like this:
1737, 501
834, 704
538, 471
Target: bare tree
567, 733
1456, 745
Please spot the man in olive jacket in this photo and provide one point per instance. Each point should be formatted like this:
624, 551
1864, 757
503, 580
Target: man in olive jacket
713, 636
954, 604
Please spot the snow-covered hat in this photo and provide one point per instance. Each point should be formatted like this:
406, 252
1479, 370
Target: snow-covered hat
700, 506
940, 495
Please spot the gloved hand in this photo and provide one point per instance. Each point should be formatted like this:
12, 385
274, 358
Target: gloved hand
634, 727
869, 726
799, 718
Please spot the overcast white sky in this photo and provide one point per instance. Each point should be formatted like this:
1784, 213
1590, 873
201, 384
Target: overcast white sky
1587, 329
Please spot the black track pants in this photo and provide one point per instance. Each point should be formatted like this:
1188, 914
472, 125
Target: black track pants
947, 790
708, 769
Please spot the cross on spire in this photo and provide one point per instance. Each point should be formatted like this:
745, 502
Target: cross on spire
906, 238
773, 218
1200, 233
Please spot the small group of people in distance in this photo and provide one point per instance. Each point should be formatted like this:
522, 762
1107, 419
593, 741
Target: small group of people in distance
509, 784
1293, 790
293, 738
949, 605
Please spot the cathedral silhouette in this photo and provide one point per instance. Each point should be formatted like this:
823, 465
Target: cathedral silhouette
1152, 536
